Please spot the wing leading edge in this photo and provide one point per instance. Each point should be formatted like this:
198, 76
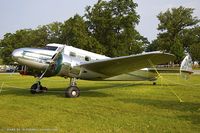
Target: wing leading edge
125, 64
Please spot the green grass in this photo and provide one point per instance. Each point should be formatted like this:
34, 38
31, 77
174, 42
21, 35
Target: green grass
102, 107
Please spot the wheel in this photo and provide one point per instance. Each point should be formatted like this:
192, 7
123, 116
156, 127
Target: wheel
72, 92
34, 88
154, 83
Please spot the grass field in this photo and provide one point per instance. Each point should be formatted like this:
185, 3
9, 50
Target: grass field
102, 107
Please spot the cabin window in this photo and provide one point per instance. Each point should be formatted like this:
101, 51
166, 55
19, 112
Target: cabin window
87, 58
72, 54
52, 48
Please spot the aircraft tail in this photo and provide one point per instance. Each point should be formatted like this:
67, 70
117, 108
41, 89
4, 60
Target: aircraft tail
185, 70
186, 67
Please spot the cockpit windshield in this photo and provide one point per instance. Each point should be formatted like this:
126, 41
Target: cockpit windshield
52, 48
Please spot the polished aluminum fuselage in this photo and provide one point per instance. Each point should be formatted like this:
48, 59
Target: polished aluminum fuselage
69, 64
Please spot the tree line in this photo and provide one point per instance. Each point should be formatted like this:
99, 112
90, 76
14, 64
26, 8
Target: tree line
108, 28
179, 33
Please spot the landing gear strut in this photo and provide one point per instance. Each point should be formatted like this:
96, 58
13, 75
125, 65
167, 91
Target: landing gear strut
37, 87
72, 91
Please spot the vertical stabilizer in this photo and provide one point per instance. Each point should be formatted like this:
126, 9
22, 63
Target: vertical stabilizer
186, 67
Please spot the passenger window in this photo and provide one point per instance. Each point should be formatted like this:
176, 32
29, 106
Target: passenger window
52, 48
72, 54
87, 58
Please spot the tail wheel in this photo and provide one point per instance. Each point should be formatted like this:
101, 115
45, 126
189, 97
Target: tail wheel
72, 92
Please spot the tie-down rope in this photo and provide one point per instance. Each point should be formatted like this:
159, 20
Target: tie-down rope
161, 77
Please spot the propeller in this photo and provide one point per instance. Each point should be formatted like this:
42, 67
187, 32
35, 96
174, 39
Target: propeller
53, 60
56, 55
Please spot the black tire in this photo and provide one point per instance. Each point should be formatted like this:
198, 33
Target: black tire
154, 83
33, 88
72, 92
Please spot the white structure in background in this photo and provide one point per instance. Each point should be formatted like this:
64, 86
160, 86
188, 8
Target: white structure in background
7, 68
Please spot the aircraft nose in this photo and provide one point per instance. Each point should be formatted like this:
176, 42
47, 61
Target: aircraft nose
17, 53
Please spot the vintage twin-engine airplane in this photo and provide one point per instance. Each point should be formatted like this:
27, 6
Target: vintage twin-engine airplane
68, 61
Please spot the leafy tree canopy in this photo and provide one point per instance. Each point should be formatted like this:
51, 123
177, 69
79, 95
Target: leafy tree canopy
177, 30
75, 33
108, 28
113, 23
193, 42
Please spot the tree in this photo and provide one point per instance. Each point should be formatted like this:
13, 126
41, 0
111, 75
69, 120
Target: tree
22, 38
175, 24
109, 29
195, 51
39, 37
54, 32
152, 47
12, 41
113, 23
193, 41
75, 33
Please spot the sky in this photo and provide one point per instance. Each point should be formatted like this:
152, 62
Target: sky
25, 14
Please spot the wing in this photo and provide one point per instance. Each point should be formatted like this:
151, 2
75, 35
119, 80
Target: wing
125, 64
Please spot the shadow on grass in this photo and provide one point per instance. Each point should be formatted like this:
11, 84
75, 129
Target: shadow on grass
194, 118
171, 105
193, 108
92, 90
58, 92
109, 85
86, 93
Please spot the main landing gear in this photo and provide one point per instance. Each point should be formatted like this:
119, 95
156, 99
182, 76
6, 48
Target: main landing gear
72, 91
